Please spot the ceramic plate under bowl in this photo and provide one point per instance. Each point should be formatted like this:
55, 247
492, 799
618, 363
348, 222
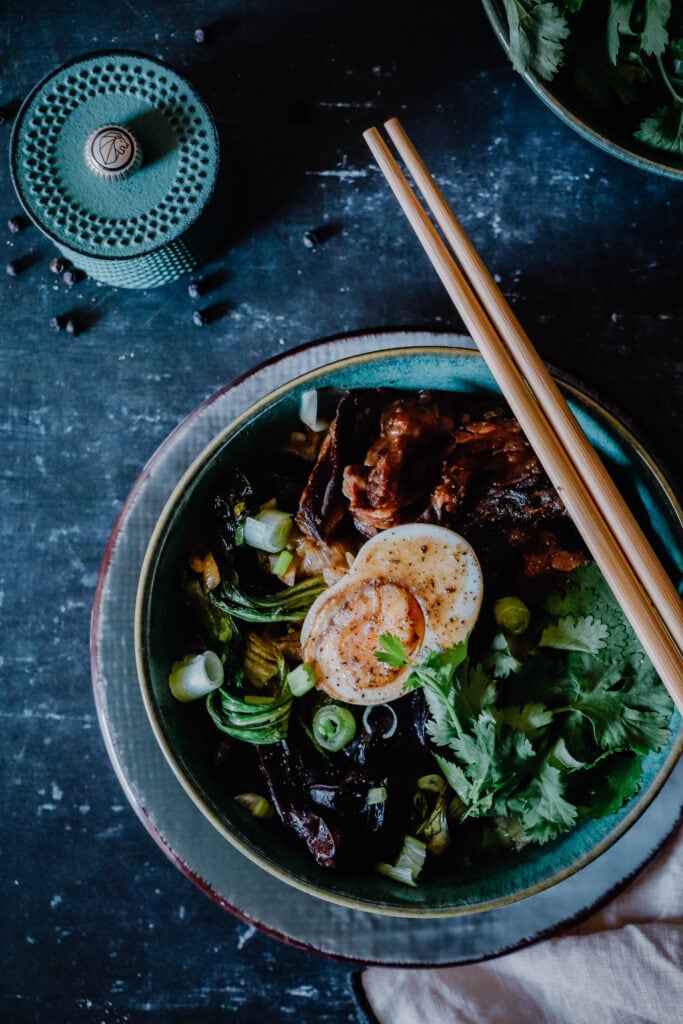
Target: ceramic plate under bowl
260, 428
610, 131
187, 838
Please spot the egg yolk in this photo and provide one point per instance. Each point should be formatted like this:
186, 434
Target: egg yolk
347, 647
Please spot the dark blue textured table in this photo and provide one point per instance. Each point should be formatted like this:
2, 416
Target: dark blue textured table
98, 925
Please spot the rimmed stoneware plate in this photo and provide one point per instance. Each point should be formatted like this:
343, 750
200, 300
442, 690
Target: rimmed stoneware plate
193, 841
607, 130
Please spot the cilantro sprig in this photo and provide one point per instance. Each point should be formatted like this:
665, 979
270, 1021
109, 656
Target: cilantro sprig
554, 736
621, 52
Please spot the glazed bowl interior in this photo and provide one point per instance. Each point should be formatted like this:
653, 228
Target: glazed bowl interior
610, 130
180, 729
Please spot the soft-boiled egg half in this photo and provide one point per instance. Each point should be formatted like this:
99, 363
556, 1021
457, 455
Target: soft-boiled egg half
418, 582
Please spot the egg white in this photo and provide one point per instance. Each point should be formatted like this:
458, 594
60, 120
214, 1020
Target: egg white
419, 582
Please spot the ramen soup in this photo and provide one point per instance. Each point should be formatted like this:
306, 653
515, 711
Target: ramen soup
398, 647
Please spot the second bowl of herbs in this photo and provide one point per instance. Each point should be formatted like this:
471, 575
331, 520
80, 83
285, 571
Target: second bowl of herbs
610, 69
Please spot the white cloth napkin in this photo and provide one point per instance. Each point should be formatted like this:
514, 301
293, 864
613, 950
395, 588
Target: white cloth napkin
623, 965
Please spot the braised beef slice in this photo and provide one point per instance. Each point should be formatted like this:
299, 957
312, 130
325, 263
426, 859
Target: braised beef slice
489, 472
389, 487
431, 461
322, 506
494, 492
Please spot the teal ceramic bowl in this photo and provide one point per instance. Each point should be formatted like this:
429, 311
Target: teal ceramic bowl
611, 129
176, 727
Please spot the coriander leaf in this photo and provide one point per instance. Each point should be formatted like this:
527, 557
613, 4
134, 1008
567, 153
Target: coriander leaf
435, 675
474, 693
663, 129
627, 706
455, 777
654, 35
500, 661
393, 652
438, 669
476, 782
541, 807
536, 30
645, 23
445, 663
439, 726
578, 595
570, 634
587, 590
576, 744
493, 760
606, 787
546, 678
528, 719
618, 24
477, 752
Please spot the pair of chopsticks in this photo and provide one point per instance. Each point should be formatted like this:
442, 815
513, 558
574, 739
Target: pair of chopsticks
637, 579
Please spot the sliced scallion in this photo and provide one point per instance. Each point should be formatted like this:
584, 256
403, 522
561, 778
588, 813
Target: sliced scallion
301, 679
373, 710
269, 530
333, 726
560, 757
432, 783
283, 562
308, 412
195, 675
409, 863
376, 795
257, 805
512, 615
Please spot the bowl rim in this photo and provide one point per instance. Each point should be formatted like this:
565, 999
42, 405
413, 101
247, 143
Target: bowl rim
572, 120
193, 790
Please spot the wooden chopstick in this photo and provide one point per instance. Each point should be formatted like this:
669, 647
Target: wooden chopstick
585, 458
526, 389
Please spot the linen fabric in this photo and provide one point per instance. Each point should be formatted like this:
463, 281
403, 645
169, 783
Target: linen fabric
624, 965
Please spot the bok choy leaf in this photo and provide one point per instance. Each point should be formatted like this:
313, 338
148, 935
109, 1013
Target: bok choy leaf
288, 605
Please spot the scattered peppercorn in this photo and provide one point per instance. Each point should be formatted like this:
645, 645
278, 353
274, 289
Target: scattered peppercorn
200, 35
195, 289
58, 265
311, 239
16, 223
58, 323
12, 268
200, 317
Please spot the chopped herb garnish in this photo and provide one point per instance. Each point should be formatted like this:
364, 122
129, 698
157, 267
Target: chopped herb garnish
624, 53
541, 739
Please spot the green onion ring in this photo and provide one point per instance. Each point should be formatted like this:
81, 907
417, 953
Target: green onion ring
333, 726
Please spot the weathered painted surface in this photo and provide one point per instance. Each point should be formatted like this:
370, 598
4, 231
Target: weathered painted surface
99, 926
